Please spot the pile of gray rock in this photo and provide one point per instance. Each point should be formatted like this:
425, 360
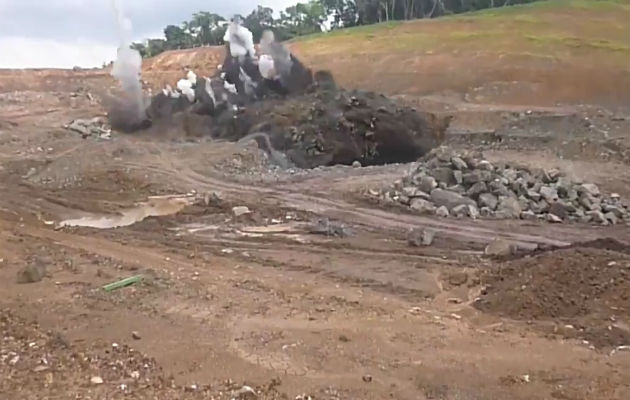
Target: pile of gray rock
445, 184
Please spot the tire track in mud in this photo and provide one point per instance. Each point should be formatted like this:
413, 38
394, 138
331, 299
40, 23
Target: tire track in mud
318, 203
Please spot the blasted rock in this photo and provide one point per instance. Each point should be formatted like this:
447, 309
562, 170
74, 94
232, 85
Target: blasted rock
422, 206
449, 199
508, 207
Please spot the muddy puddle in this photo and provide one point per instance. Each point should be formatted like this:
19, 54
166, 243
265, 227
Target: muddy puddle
153, 207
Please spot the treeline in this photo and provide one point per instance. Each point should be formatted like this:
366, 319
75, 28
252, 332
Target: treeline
208, 29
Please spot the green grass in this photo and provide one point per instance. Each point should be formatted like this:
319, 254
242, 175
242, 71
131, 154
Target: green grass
551, 28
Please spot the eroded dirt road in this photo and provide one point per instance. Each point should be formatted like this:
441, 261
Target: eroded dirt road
260, 300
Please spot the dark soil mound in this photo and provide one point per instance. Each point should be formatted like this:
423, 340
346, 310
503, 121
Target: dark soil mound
337, 127
585, 288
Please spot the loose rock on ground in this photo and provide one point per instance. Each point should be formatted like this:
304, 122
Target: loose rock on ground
448, 184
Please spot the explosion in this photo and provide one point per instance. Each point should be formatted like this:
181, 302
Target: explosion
298, 117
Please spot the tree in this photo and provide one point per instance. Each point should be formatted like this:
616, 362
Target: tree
258, 20
207, 27
303, 18
155, 47
141, 48
177, 37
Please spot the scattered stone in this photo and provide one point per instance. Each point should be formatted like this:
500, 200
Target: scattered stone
442, 211
33, 272
427, 237
367, 378
325, 226
499, 248
553, 218
136, 335
240, 210
245, 393
420, 237
422, 206
96, 380
356, 164
458, 278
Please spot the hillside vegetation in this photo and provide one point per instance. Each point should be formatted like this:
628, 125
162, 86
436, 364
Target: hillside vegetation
544, 52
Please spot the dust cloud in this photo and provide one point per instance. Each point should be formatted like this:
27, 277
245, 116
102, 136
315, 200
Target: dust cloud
127, 111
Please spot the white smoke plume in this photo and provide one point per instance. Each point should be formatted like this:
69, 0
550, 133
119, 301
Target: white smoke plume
128, 112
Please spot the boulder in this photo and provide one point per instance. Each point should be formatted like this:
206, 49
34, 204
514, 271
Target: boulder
458, 163
422, 206
589, 188
488, 200
508, 207
549, 194
476, 189
442, 212
449, 199
427, 184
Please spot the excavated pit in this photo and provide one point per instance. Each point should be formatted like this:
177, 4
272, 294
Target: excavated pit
319, 125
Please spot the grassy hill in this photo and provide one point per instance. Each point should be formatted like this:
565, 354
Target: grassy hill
541, 53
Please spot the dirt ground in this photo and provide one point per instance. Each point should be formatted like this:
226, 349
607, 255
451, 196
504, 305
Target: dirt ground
264, 299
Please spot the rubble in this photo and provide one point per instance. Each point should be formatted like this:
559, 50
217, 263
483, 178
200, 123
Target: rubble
94, 127
300, 118
447, 184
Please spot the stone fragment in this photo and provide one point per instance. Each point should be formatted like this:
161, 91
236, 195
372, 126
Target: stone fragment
508, 207
459, 164
597, 217
459, 177
441, 197
499, 248
422, 206
240, 210
589, 188
553, 218
558, 210
442, 211
476, 189
443, 175
528, 215
427, 184
549, 194
488, 200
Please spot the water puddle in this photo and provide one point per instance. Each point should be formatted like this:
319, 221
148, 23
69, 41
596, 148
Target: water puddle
157, 206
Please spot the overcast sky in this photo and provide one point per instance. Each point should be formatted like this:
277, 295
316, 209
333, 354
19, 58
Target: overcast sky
67, 33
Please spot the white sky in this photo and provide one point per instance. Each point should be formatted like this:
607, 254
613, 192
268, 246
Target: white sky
68, 33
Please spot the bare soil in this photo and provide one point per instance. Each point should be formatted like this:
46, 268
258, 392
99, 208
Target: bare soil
583, 291
264, 300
